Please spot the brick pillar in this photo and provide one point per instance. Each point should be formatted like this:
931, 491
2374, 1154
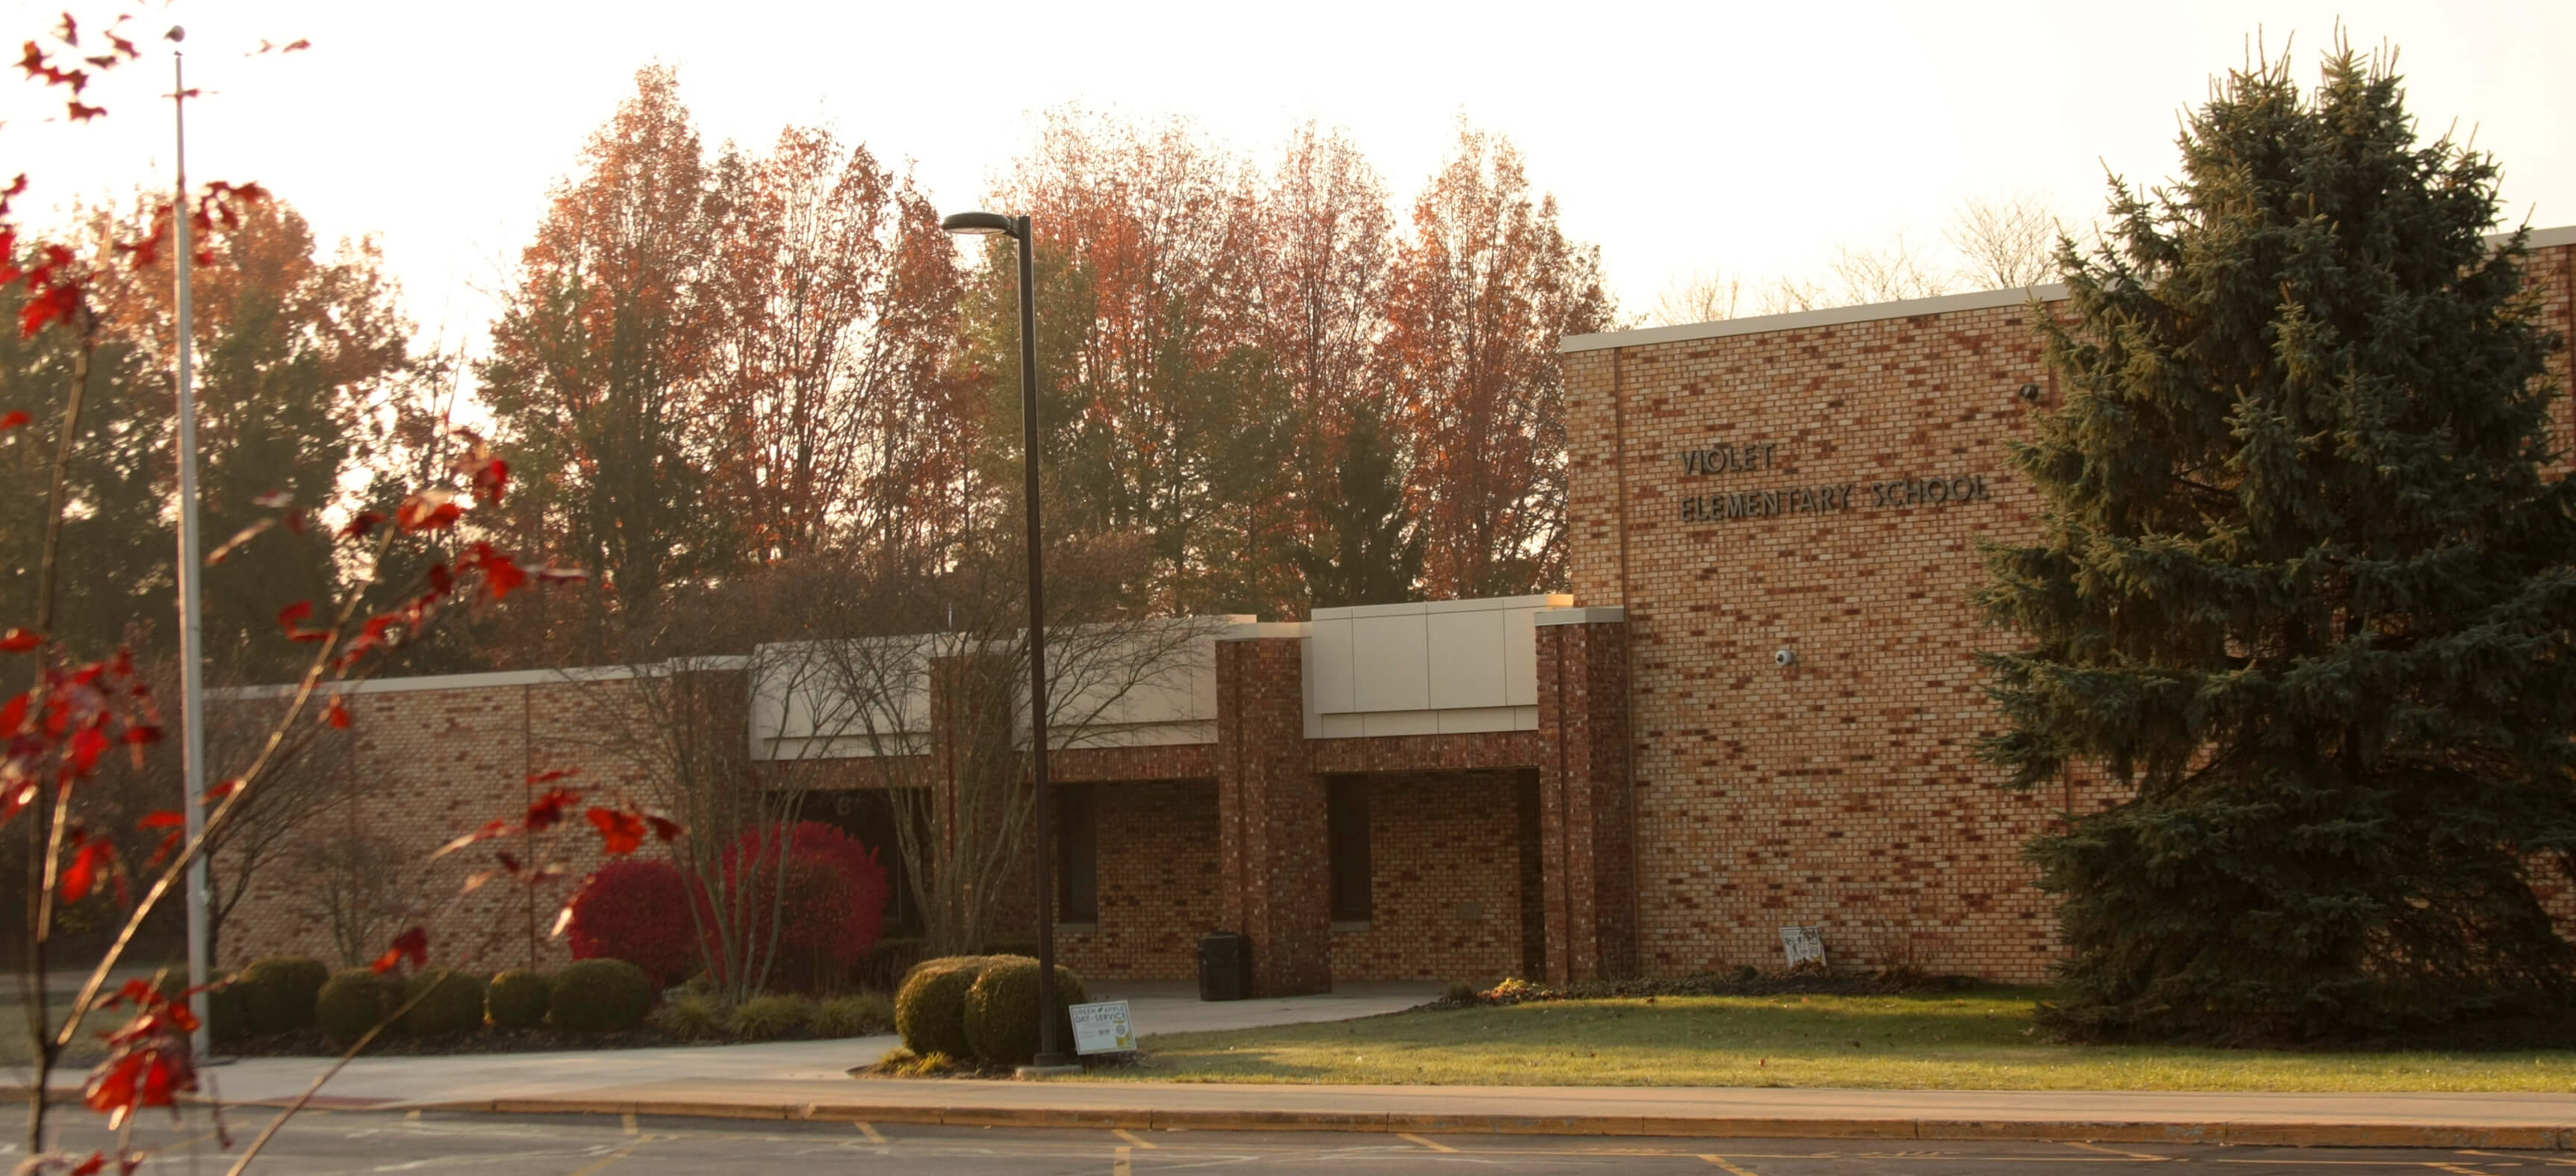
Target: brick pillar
1586, 829
1270, 816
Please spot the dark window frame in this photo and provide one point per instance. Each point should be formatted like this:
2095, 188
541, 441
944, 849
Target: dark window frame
1077, 836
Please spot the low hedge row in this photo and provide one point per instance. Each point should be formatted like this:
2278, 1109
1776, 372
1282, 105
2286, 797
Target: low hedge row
699, 1017
981, 1007
287, 993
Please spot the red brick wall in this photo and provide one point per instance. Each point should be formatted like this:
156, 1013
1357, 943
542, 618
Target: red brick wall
1271, 817
1446, 892
1587, 829
1157, 882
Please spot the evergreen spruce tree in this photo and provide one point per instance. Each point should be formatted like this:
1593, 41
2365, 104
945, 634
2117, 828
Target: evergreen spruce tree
2302, 588
1372, 546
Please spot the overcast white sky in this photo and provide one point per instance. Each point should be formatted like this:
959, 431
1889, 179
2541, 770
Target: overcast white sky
1752, 137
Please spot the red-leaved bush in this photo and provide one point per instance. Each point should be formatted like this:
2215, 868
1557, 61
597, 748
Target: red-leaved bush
637, 912
834, 903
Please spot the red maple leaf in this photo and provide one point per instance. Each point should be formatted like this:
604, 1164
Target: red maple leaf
412, 944
20, 640
621, 831
429, 510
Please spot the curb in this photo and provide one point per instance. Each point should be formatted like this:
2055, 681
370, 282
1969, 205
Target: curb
2279, 1134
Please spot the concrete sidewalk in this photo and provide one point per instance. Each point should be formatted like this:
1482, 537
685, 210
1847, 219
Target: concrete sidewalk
807, 1080
428, 1081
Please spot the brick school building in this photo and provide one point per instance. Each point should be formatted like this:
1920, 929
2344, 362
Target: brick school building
1757, 707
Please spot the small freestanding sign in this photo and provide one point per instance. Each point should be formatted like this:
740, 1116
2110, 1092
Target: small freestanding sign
1803, 944
1102, 1028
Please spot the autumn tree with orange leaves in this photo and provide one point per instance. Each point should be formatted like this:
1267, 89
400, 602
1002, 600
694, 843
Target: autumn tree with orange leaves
839, 296
603, 354
1482, 290
1162, 417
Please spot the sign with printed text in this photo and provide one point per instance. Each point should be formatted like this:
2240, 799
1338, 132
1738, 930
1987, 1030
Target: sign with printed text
1102, 1028
1803, 944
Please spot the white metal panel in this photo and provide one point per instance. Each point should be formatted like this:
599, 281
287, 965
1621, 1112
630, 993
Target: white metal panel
1330, 684
1342, 726
1465, 665
1471, 719
1390, 667
1408, 722
1520, 656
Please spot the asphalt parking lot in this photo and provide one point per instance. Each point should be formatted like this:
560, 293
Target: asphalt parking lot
334, 1142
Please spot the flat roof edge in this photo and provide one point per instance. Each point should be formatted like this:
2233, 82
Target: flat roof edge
2549, 238
1801, 319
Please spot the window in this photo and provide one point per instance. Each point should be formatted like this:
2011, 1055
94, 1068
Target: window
1346, 833
1077, 838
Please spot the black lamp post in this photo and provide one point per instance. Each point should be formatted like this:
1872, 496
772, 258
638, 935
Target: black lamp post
1051, 1053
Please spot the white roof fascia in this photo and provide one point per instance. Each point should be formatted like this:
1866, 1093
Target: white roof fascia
2550, 238
488, 681
1835, 316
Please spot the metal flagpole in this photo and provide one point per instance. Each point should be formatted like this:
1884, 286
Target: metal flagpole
192, 628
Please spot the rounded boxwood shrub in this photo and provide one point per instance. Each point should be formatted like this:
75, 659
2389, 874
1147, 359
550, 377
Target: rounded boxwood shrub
1002, 1010
352, 1002
517, 999
600, 996
276, 994
930, 1008
441, 1003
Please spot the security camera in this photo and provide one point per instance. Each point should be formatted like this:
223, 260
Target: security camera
1785, 658
2030, 392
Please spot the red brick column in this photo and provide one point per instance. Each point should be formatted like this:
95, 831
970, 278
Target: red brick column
1587, 830
1270, 817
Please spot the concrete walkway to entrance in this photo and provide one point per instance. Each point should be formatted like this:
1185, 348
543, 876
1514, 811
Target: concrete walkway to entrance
1156, 1007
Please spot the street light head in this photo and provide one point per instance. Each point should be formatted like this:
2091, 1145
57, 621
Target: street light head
980, 224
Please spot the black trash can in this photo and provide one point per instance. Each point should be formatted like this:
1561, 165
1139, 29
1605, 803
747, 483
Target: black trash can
1225, 966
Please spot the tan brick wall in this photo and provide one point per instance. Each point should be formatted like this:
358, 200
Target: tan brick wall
425, 766
1845, 790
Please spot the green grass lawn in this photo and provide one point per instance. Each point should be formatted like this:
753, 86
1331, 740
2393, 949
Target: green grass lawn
1984, 1040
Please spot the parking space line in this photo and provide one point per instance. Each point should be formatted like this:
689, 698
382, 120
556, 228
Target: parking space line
1438, 1147
1118, 1163
628, 1119
603, 1162
2439, 1166
1729, 1169
870, 1131
2111, 1151
1130, 1137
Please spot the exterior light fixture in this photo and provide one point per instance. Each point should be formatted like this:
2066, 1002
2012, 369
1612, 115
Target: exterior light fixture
1051, 1057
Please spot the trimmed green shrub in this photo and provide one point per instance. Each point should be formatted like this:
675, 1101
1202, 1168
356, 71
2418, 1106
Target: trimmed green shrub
694, 1017
1002, 1010
441, 1003
600, 996
276, 994
518, 998
768, 1018
853, 1016
353, 1001
930, 1008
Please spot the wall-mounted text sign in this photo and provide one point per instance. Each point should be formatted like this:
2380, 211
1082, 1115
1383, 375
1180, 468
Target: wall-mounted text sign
1716, 506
